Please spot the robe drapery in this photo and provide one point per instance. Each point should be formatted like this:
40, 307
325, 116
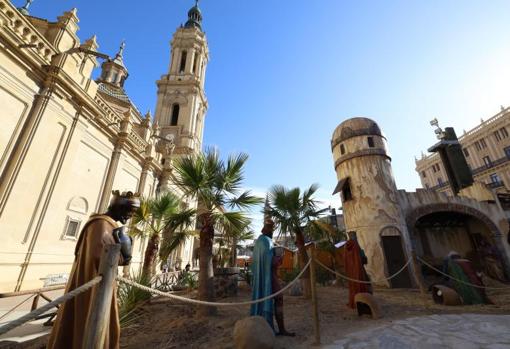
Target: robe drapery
69, 327
354, 269
262, 278
462, 269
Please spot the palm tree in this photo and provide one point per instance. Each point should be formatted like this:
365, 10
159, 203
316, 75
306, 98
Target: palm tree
161, 218
232, 237
215, 184
327, 236
292, 212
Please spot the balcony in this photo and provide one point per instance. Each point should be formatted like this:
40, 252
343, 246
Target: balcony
495, 185
492, 164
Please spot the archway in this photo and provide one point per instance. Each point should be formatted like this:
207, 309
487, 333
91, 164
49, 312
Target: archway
438, 229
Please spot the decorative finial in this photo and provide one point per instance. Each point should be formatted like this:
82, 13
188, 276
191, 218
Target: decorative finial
121, 48
196, 3
502, 107
24, 9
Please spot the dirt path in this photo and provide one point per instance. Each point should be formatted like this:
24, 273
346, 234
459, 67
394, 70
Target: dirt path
167, 324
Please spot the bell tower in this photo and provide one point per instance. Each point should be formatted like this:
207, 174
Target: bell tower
181, 104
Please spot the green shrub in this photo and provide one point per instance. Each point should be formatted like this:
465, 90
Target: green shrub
128, 297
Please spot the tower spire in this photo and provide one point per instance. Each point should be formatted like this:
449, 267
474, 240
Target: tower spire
194, 17
24, 9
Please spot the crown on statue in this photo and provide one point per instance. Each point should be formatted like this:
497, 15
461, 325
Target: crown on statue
126, 198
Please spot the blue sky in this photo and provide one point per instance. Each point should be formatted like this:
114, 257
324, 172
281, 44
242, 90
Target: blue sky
283, 74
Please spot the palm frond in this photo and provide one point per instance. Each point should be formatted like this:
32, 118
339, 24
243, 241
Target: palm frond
245, 200
172, 242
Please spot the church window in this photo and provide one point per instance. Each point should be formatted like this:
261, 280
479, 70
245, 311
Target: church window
175, 115
342, 149
184, 56
72, 228
371, 142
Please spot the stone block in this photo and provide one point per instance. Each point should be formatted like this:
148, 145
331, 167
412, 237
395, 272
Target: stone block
253, 333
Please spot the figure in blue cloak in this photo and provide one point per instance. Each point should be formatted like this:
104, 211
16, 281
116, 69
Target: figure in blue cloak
262, 274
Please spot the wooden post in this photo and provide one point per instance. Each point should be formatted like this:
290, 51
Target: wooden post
315, 311
417, 274
35, 302
99, 316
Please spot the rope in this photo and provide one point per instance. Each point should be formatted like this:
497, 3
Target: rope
17, 306
363, 281
32, 315
458, 280
217, 304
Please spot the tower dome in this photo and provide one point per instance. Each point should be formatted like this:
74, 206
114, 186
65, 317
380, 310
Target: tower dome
358, 126
194, 17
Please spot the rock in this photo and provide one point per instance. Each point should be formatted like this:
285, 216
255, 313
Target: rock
296, 290
366, 304
253, 333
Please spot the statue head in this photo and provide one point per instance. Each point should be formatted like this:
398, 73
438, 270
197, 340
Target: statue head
123, 206
268, 227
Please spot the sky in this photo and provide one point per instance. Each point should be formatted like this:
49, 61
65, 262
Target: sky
283, 74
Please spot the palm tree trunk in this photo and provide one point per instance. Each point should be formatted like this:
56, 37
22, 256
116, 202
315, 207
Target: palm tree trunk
151, 252
303, 259
206, 272
233, 258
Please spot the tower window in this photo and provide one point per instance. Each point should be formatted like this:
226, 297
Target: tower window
195, 59
184, 56
342, 149
346, 192
371, 142
175, 115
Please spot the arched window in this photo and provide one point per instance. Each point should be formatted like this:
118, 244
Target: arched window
184, 56
175, 115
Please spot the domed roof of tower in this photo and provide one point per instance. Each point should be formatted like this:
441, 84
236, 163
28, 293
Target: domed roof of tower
194, 17
354, 127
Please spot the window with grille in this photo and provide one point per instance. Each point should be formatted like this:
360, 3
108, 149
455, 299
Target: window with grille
72, 228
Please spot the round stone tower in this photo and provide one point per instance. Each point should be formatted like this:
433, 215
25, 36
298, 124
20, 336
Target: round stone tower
369, 198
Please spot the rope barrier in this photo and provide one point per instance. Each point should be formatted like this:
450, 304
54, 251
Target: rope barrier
363, 281
32, 315
217, 304
458, 280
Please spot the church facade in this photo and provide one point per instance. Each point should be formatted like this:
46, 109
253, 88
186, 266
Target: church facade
68, 140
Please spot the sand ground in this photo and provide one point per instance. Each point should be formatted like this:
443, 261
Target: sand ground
163, 323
